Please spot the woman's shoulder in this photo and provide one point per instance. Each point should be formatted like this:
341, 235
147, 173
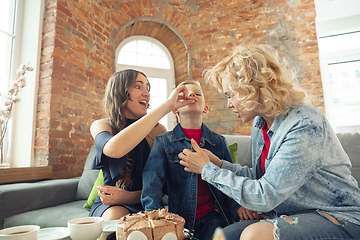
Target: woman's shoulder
308, 114
100, 125
157, 130
303, 117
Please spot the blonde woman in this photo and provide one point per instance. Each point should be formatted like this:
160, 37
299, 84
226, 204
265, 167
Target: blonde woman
300, 185
123, 141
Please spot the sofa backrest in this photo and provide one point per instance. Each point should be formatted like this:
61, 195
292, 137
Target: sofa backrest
243, 146
88, 177
349, 141
351, 144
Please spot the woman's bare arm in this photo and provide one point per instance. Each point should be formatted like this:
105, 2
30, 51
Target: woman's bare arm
132, 135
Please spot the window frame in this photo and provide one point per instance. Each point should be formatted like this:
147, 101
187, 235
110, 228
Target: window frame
27, 50
326, 60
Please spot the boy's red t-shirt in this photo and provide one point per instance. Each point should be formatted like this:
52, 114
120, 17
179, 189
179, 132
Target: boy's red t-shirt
205, 201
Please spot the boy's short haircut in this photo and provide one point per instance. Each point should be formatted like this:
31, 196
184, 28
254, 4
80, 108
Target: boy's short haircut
197, 83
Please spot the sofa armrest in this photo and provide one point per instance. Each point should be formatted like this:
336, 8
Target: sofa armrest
23, 197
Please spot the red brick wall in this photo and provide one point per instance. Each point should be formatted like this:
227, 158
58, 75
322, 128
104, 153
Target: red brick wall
80, 38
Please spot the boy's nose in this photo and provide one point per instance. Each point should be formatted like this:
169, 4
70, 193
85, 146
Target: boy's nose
191, 94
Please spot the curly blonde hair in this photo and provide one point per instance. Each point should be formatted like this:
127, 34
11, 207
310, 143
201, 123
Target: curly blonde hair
116, 97
258, 80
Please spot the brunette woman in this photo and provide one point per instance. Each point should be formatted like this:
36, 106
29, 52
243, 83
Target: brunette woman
123, 141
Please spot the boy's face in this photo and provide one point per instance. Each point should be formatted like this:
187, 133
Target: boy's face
198, 107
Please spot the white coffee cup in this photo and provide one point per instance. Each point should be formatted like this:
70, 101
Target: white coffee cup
25, 232
86, 228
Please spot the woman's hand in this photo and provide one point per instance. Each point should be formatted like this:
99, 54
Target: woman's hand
213, 158
246, 214
194, 161
179, 98
110, 195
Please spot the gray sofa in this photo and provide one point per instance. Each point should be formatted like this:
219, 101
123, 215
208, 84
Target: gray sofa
53, 203
50, 203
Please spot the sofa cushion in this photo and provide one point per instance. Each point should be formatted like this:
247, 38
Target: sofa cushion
24, 197
233, 149
93, 194
57, 216
88, 177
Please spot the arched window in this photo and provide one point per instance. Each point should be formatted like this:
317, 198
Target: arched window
151, 57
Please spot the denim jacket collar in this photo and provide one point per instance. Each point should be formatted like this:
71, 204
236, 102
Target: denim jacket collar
278, 121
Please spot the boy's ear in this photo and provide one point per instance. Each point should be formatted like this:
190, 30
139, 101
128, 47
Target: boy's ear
175, 111
206, 109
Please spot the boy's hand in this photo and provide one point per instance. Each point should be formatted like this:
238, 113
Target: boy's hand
193, 161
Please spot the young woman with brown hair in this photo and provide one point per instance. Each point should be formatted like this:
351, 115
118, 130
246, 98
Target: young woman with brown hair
123, 141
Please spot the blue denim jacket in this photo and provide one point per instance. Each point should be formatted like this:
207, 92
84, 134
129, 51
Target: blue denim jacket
163, 174
306, 169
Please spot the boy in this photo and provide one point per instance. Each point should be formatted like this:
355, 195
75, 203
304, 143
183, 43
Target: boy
203, 206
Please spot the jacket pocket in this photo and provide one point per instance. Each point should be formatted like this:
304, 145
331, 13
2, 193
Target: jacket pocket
173, 155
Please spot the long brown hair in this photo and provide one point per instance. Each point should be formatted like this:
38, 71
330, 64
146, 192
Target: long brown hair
116, 97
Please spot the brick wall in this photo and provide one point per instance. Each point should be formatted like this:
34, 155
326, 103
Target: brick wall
78, 48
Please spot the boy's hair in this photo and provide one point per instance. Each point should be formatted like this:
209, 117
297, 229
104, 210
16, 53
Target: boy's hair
258, 80
116, 97
186, 82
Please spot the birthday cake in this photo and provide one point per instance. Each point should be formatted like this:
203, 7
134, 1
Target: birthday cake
153, 225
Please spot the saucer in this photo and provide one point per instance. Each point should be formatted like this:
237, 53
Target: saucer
53, 233
109, 226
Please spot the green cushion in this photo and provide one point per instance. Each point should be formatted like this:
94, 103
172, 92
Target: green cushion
93, 194
233, 152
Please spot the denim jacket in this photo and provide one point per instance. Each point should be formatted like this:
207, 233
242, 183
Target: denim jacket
306, 169
163, 174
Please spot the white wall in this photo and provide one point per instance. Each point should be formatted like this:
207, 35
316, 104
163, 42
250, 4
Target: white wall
337, 16
332, 9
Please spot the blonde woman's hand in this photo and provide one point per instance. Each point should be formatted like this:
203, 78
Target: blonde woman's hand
246, 214
213, 158
193, 161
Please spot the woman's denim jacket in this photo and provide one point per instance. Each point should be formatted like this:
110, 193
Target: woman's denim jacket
163, 174
306, 169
